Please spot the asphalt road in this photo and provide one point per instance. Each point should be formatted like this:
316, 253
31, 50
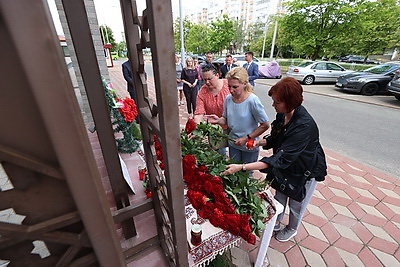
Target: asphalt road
364, 128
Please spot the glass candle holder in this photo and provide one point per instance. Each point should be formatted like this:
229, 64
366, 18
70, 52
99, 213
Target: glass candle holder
195, 234
142, 172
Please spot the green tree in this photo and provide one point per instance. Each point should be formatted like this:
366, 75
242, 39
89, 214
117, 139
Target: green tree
120, 47
377, 25
187, 25
256, 33
107, 37
221, 34
197, 39
238, 36
312, 26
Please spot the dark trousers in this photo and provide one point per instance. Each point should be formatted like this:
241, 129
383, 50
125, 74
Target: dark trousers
190, 95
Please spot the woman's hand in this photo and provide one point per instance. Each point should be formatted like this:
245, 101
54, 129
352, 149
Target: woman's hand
241, 141
211, 118
232, 168
256, 143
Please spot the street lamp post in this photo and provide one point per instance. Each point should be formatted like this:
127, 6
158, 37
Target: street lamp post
271, 55
181, 31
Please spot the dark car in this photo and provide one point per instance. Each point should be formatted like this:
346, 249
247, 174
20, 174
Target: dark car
394, 85
369, 81
357, 59
200, 58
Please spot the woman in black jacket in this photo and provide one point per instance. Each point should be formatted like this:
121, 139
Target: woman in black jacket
296, 149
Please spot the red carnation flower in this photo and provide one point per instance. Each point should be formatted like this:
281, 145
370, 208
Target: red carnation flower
190, 126
250, 238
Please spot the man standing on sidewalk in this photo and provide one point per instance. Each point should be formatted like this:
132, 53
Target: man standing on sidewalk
251, 67
127, 72
209, 58
227, 66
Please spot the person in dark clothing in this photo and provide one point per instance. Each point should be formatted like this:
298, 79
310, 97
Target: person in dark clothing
227, 66
127, 72
295, 143
189, 79
251, 67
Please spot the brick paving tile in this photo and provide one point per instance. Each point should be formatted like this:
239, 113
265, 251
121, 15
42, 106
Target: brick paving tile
356, 210
330, 233
312, 258
327, 193
295, 257
314, 244
328, 210
341, 201
368, 201
374, 220
352, 193
338, 185
369, 258
348, 245
332, 257
393, 230
377, 192
301, 234
391, 200
383, 245
397, 255
385, 210
315, 220
362, 232
282, 247
343, 220
318, 201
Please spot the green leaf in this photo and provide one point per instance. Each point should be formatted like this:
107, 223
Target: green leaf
232, 196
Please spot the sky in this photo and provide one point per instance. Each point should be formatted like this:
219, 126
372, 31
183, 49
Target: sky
108, 13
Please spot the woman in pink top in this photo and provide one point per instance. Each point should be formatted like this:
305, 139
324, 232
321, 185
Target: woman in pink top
210, 99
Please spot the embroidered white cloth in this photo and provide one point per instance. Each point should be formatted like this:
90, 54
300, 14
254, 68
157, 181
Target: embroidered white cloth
215, 240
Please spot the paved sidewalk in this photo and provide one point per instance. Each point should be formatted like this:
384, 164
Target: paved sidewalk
352, 220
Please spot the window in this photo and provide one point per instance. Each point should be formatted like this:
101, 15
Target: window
332, 66
320, 66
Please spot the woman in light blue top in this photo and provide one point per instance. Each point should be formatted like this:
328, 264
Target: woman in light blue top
244, 114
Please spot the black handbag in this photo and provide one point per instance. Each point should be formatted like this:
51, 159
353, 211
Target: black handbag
290, 184
293, 186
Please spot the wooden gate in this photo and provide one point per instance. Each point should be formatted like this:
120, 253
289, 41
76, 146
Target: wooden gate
55, 196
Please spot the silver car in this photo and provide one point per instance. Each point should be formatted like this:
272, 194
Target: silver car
316, 71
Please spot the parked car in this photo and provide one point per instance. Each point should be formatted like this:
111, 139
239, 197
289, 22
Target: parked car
316, 71
220, 61
114, 55
394, 85
200, 58
270, 71
369, 81
241, 61
357, 59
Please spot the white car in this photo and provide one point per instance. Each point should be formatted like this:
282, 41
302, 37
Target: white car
317, 71
241, 61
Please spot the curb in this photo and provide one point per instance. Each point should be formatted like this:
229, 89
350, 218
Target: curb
340, 97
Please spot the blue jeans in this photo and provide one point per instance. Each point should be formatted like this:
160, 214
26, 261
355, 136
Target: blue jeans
222, 151
243, 156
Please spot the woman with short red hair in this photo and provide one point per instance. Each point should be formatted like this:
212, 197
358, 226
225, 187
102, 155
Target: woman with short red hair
297, 152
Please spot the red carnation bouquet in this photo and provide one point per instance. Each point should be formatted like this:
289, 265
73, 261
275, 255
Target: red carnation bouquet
229, 202
127, 109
